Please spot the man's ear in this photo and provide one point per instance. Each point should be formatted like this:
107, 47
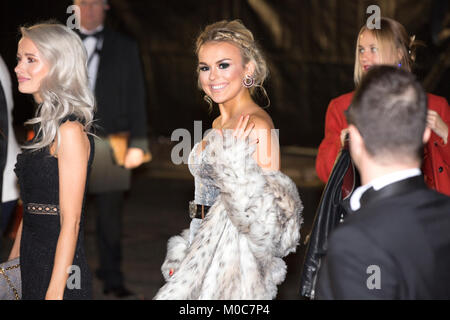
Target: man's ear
426, 135
356, 142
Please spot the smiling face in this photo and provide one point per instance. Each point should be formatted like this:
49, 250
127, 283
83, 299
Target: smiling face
31, 68
221, 71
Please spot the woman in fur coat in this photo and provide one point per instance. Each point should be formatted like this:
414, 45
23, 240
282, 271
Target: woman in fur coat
246, 213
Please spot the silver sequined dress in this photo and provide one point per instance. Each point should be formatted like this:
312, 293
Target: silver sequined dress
206, 191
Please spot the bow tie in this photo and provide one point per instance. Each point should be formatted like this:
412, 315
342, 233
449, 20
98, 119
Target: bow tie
98, 35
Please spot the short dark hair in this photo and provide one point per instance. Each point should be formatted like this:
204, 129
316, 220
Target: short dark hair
389, 109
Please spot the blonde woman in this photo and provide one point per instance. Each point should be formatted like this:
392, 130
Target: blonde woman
52, 170
246, 213
389, 45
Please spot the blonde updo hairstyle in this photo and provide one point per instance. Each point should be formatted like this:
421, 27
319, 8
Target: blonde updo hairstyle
236, 33
65, 90
392, 38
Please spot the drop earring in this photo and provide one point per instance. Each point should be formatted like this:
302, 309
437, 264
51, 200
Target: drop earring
248, 81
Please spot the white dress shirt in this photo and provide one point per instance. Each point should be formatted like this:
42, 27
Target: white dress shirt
92, 43
380, 183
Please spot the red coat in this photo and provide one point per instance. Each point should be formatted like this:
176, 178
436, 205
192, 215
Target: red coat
436, 164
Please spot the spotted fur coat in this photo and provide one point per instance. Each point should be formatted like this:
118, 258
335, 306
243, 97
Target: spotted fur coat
237, 251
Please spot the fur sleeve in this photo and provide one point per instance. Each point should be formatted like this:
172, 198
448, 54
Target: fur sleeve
265, 206
176, 251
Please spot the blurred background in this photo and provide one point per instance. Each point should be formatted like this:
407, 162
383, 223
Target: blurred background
309, 44
310, 48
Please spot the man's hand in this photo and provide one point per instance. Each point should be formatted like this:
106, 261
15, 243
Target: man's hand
134, 158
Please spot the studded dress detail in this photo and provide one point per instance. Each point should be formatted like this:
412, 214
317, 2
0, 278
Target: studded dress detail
206, 192
38, 176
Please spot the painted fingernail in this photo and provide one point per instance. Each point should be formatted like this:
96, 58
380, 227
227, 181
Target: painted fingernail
171, 272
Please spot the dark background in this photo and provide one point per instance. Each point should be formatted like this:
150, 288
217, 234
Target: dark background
310, 48
309, 45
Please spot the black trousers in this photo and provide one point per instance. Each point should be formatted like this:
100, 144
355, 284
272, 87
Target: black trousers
109, 230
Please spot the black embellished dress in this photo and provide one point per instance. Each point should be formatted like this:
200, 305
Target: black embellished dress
38, 176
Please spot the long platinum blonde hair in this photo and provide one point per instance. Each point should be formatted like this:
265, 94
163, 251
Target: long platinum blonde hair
65, 90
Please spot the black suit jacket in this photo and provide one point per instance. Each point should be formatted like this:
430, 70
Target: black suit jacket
404, 231
120, 89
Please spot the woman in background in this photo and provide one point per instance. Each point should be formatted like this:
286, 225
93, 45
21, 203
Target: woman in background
389, 45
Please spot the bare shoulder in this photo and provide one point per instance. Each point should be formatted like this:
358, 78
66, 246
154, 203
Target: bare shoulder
72, 127
73, 138
73, 131
262, 120
268, 154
